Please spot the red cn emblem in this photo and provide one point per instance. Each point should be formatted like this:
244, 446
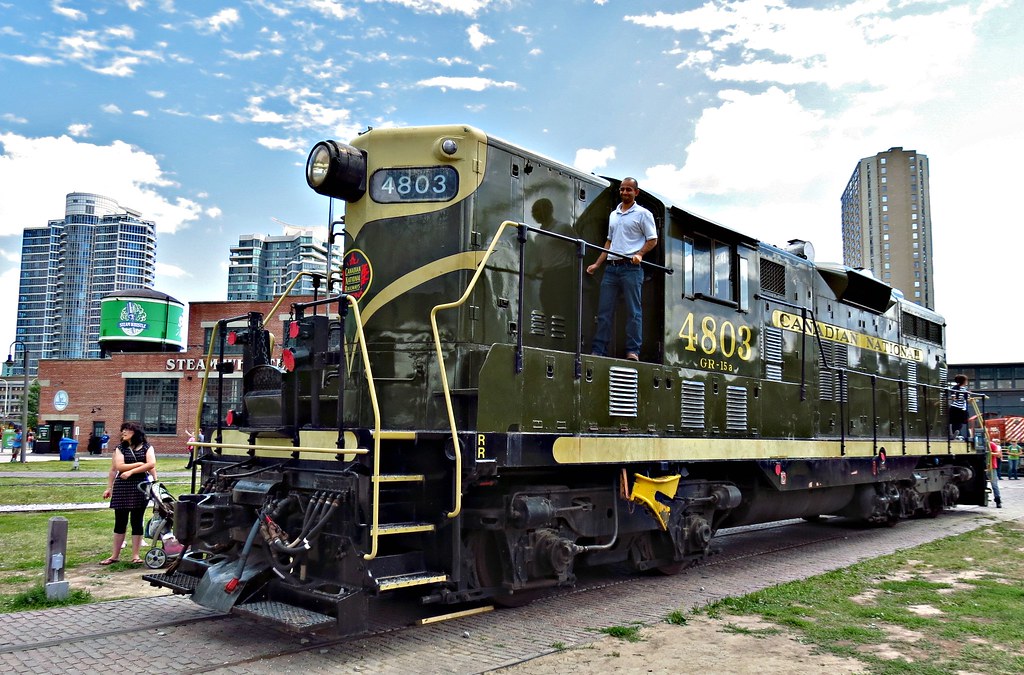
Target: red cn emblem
358, 274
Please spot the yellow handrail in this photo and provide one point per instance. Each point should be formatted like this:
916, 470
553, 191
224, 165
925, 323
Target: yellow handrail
444, 374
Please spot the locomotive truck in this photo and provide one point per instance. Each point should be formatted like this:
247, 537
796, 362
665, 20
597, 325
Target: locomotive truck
430, 433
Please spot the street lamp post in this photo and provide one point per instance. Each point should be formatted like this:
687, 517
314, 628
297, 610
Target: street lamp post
24, 394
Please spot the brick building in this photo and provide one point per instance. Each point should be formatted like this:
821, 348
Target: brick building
79, 397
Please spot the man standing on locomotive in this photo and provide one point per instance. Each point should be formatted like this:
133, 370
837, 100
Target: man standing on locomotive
631, 233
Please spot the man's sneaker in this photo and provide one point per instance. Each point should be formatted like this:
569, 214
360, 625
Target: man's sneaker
633, 356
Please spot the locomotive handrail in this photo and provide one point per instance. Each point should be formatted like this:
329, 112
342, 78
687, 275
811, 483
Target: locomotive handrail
456, 449
581, 246
283, 448
902, 384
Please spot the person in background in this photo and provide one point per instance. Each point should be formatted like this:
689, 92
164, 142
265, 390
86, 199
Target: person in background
134, 460
16, 445
958, 407
31, 441
993, 473
1013, 455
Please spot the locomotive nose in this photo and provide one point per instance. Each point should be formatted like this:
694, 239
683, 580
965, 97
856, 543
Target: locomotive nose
337, 170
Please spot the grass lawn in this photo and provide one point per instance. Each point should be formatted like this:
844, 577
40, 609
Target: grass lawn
951, 606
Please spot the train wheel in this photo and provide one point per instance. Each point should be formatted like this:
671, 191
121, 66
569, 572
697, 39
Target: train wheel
490, 572
672, 569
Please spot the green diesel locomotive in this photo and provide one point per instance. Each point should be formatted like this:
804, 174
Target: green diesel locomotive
433, 431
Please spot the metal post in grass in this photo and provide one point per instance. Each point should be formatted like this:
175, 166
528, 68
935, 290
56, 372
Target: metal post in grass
56, 557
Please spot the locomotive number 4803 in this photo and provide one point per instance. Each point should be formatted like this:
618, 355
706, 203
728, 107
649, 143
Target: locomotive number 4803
716, 337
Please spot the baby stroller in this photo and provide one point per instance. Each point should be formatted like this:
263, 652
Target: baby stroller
160, 527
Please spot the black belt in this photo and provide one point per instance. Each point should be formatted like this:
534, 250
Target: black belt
621, 261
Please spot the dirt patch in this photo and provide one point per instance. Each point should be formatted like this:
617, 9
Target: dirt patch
107, 584
698, 646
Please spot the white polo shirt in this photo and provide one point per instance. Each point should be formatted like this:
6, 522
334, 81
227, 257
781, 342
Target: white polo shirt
628, 231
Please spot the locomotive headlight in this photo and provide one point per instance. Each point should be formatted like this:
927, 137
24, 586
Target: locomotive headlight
337, 170
317, 165
449, 146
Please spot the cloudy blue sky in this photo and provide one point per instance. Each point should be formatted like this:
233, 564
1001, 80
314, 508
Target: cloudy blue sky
751, 112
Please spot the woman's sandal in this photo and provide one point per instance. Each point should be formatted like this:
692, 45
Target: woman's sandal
109, 561
137, 561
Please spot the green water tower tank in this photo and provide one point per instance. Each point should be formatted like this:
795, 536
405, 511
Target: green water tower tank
141, 320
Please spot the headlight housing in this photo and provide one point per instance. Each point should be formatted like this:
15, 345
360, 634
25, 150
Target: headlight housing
337, 170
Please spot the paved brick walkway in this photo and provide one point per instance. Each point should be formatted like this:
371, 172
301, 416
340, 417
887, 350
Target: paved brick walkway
470, 645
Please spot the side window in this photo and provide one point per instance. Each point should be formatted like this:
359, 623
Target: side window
723, 272
712, 269
701, 265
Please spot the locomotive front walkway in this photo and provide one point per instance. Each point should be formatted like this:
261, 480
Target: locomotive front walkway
471, 645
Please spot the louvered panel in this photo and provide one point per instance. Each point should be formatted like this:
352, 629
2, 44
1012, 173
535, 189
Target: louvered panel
736, 408
772, 353
826, 376
944, 383
841, 356
692, 405
623, 392
538, 323
557, 327
912, 387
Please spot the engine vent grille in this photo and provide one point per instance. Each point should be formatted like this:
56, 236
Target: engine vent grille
692, 405
837, 356
912, 387
538, 323
558, 326
773, 277
772, 353
623, 392
736, 409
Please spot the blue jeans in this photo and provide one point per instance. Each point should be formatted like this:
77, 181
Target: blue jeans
1013, 468
628, 280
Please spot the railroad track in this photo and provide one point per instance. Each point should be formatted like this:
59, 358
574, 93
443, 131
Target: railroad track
171, 634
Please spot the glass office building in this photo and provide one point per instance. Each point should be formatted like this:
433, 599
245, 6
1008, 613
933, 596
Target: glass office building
68, 265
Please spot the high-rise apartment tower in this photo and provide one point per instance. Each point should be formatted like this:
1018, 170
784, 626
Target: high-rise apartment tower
887, 223
68, 265
262, 266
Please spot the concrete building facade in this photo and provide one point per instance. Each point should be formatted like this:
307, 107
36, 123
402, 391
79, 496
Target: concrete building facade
887, 225
262, 266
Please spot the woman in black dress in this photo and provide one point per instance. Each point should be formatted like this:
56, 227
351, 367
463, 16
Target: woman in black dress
134, 460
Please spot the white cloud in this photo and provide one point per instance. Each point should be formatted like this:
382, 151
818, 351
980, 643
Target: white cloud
153, 93
333, 9
468, 83
289, 144
67, 12
477, 39
225, 18
125, 173
13, 119
171, 271
590, 160
110, 109
467, 7
79, 130
141, 113
36, 60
